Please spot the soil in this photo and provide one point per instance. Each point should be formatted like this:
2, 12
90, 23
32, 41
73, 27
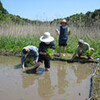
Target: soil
9, 53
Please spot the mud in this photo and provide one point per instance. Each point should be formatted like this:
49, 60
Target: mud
9, 53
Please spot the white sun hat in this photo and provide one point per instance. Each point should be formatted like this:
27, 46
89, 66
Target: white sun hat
46, 37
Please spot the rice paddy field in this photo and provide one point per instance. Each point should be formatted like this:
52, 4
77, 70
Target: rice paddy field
14, 37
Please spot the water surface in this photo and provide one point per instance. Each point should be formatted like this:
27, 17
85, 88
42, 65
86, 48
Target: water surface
63, 82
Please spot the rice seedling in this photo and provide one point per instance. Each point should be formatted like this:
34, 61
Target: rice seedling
89, 52
50, 52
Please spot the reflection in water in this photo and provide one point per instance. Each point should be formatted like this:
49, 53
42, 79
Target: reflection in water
45, 89
51, 85
28, 80
61, 79
82, 71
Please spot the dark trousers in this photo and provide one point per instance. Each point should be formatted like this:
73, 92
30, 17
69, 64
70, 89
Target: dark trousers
46, 60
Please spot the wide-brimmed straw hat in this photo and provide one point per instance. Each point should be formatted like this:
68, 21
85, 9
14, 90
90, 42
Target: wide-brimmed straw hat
25, 50
46, 37
63, 21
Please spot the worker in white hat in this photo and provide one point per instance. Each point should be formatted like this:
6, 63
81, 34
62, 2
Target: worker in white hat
46, 42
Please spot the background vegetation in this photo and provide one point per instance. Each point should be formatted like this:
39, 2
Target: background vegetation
77, 20
17, 32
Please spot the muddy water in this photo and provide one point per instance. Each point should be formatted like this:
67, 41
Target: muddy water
63, 82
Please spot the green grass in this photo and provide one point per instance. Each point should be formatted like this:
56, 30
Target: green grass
96, 87
15, 44
89, 53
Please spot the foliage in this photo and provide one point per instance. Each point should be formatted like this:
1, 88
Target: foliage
69, 32
89, 52
88, 19
15, 44
29, 60
50, 52
81, 20
2, 9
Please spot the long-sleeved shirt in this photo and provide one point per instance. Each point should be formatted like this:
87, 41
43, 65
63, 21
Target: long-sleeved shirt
33, 53
43, 47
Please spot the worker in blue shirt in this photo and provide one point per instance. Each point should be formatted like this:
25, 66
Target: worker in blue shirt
29, 51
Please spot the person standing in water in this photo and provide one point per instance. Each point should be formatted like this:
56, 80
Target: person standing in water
46, 42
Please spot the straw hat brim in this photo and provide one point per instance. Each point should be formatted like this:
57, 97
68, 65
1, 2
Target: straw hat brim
63, 21
26, 48
48, 39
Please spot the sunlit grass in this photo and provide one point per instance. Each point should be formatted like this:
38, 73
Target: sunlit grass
14, 38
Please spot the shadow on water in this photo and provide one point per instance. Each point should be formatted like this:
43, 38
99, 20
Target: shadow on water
17, 66
30, 70
20, 66
81, 60
40, 71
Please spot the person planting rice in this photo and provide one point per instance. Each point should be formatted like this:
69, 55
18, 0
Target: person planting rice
83, 49
29, 52
63, 32
46, 43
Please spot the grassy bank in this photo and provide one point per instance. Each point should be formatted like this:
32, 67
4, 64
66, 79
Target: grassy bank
14, 37
15, 44
96, 85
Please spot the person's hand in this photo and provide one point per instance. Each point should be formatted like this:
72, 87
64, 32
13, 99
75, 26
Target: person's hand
80, 52
92, 49
57, 31
23, 67
36, 61
71, 59
44, 54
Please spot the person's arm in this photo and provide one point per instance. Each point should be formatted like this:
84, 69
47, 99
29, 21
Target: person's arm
58, 30
40, 49
36, 56
74, 55
22, 60
43, 53
52, 45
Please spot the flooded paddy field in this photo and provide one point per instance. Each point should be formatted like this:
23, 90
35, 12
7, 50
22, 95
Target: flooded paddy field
65, 81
